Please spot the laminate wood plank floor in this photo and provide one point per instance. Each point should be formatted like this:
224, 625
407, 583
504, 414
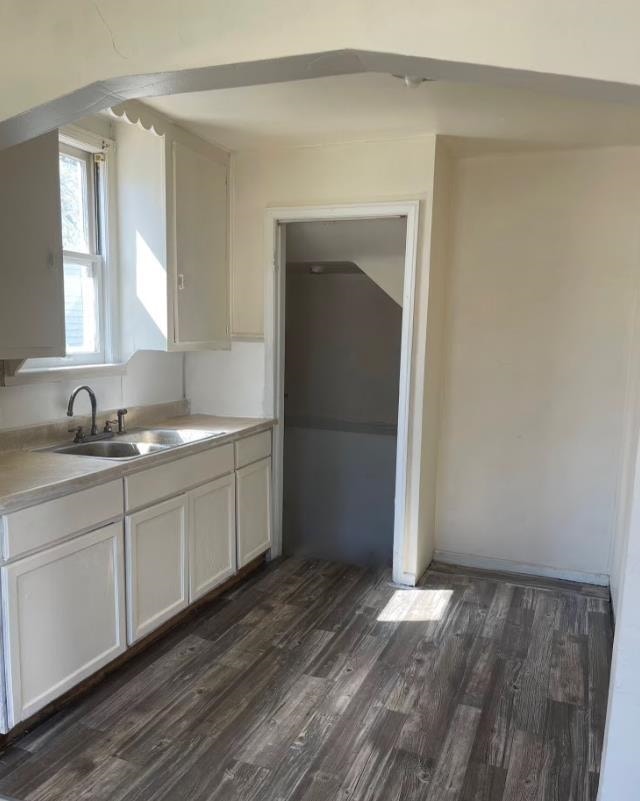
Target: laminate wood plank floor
317, 681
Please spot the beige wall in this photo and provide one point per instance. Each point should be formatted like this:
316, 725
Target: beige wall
543, 269
435, 345
349, 173
401, 169
49, 49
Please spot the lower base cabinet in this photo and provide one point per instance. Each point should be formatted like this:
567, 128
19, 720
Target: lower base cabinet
156, 566
212, 535
253, 510
64, 618
70, 609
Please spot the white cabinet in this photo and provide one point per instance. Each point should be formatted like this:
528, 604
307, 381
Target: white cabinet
173, 230
253, 510
63, 618
199, 254
70, 606
212, 535
156, 565
32, 296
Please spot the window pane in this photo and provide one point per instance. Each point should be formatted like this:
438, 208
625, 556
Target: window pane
73, 199
80, 308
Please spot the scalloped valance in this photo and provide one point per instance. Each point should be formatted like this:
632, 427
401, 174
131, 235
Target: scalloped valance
138, 114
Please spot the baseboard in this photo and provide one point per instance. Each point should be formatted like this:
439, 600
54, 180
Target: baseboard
507, 566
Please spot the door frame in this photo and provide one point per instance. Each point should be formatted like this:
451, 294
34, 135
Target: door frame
275, 258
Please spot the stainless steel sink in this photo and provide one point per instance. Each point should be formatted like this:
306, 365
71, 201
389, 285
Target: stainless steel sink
169, 436
111, 449
137, 443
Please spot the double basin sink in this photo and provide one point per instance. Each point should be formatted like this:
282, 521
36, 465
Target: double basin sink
136, 443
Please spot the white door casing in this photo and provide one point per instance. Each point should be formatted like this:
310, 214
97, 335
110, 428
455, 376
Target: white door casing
274, 311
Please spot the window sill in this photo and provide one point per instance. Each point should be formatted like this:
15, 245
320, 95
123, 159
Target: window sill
40, 375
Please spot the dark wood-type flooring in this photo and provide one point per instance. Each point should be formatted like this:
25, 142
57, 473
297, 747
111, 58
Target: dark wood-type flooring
319, 681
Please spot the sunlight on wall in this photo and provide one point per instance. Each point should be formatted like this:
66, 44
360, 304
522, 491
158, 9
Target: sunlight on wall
416, 605
151, 281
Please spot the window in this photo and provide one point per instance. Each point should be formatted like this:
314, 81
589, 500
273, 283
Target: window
83, 205
79, 190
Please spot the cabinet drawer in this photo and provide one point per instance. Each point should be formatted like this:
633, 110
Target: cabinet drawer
252, 449
149, 486
37, 526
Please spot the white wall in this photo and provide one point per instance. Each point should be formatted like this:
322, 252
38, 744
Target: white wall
543, 270
620, 768
227, 382
150, 378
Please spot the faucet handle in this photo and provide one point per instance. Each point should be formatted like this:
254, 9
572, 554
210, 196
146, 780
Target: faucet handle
79, 433
108, 427
121, 424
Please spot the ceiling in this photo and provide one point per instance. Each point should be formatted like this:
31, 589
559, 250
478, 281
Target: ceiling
375, 106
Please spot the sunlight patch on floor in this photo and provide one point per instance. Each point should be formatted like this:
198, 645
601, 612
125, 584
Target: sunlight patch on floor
416, 605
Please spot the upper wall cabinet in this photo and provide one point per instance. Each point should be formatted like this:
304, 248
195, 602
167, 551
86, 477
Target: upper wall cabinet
32, 296
173, 213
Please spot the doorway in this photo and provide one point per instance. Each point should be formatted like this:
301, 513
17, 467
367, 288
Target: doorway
275, 342
343, 326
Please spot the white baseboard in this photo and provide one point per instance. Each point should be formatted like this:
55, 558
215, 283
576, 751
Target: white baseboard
507, 566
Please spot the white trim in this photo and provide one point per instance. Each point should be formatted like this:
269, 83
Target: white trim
38, 375
527, 569
110, 260
274, 346
83, 139
241, 337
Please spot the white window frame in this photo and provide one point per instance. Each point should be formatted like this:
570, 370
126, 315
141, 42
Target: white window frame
73, 138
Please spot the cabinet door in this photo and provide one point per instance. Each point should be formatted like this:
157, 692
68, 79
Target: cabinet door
32, 296
156, 562
63, 613
201, 307
212, 535
253, 510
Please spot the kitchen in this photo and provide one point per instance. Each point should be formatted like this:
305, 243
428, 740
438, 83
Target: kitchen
148, 535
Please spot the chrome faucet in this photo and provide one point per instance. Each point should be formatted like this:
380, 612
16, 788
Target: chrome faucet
94, 408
